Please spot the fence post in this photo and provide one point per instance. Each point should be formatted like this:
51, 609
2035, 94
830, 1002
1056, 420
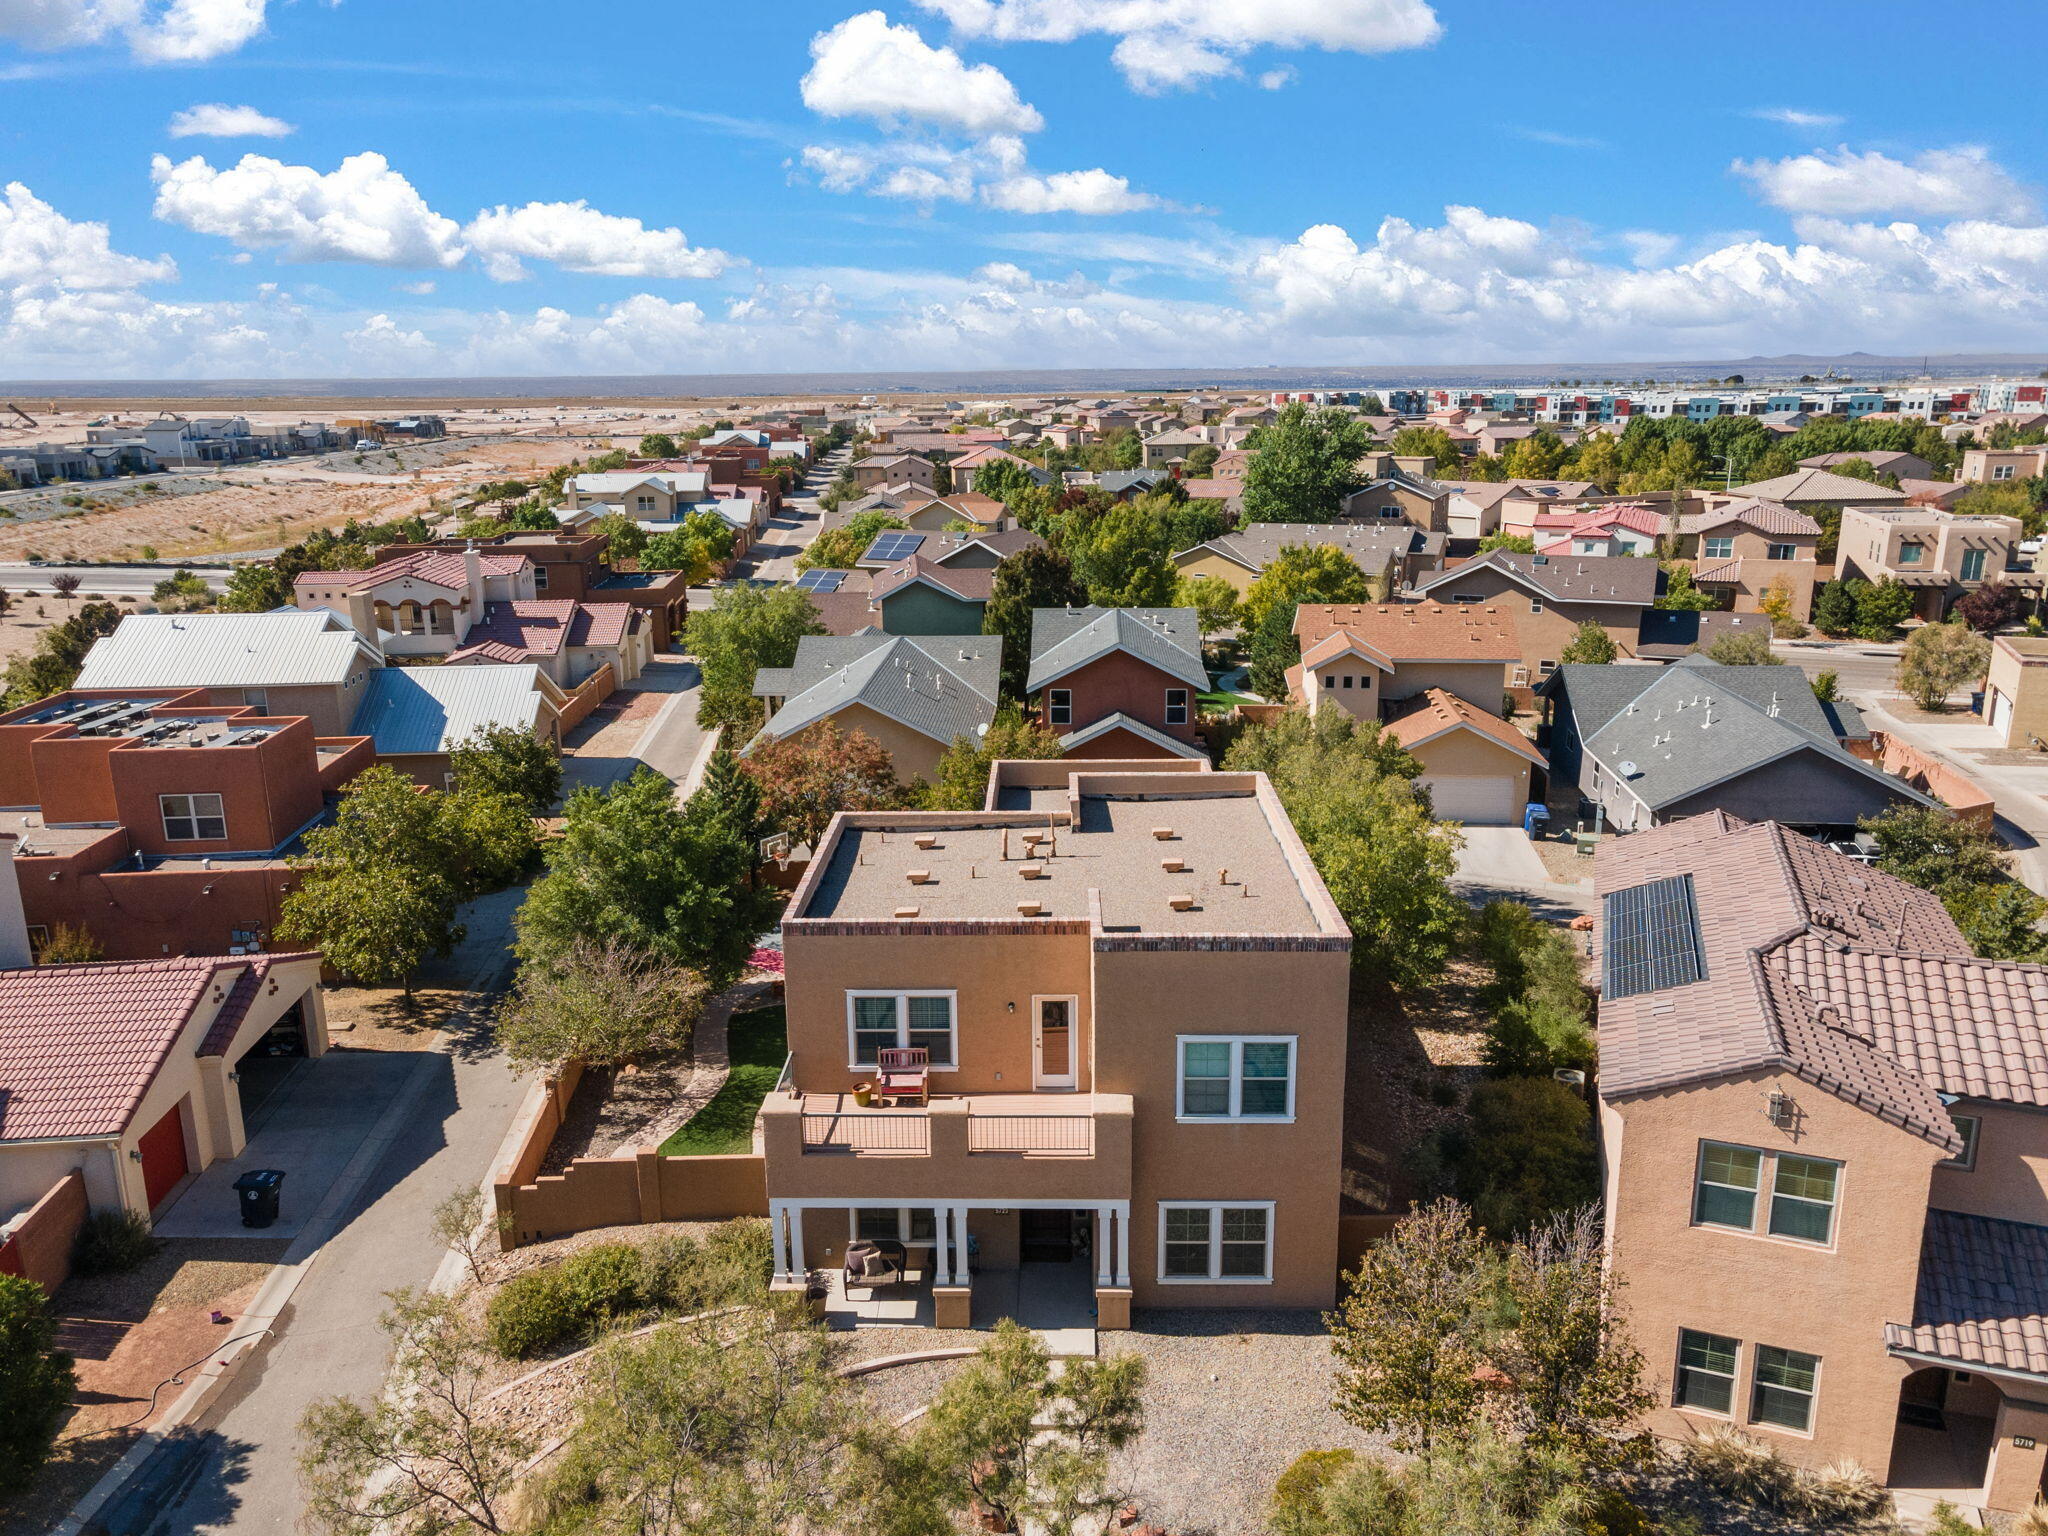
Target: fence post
647, 1166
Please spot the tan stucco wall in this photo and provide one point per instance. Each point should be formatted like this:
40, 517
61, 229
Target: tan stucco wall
1544, 635
2010, 1177
2023, 681
915, 755
1215, 565
1483, 683
1831, 1302
1467, 755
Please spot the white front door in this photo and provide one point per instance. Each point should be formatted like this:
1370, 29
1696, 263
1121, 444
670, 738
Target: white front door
1052, 1042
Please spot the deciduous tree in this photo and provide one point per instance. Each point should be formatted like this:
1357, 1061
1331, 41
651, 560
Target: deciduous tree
1027, 580
745, 628
697, 548
1741, 648
1213, 599
1881, 607
602, 1003
1408, 1332
1122, 559
808, 778
1320, 573
1680, 592
1938, 659
624, 537
1990, 607
1590, 645
1304, 465
960, 782
505, 760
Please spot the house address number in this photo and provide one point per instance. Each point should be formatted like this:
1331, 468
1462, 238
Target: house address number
2023, 1442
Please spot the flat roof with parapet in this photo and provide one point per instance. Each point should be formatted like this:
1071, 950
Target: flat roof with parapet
136, 719
1239, 868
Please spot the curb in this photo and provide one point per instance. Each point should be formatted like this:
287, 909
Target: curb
278, 1287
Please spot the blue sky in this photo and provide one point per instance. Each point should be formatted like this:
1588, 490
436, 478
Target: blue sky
296, 187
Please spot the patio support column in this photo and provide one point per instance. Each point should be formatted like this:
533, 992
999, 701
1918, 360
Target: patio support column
960, 1272
799, 1268
1103, 1268
942, 1247
776, 1235
1123, 1242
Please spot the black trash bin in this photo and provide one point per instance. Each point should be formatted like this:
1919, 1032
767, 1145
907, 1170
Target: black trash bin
259, 1189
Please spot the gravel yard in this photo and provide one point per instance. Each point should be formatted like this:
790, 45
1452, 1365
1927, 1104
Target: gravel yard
1231, 1399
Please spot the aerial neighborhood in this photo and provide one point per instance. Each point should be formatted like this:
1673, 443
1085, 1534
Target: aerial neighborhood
1203, 960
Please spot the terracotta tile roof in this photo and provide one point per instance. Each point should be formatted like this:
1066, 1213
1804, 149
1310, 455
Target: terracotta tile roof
80, 1044
443, 568
220, 1036
1815, 964
1764, 516
1982, 1300
1728, 571
1343, 643
528, 627
1821, 486
1437, 712
1415, 631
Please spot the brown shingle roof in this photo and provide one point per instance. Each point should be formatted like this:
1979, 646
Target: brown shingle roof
1756, 512
1415, 631
1437, 712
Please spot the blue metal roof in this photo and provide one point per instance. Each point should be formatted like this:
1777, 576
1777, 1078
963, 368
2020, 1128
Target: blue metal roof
431, 709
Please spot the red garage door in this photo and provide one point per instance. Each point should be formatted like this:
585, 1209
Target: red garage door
163, 1157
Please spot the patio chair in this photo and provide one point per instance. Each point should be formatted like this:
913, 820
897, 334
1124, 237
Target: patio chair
874, 1262
904, 1072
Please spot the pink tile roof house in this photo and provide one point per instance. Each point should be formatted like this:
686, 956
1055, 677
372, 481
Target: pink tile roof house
124, 1070
1825, 1155
549, 631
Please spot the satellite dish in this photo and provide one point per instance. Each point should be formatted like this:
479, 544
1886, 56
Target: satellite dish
1628, 770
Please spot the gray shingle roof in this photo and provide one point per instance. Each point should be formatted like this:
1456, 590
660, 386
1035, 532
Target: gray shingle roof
1622, 579
1983, 1295
1064, 640
1697, 724
941, 686
1257, 545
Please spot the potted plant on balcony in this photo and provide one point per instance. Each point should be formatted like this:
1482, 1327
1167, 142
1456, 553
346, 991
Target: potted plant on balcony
864, 1094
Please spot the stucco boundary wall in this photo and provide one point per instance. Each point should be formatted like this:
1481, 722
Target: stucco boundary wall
38, 1241
1957, 790
628, 1189
587, 695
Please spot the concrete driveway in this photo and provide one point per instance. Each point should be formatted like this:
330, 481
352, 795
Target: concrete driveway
310, 1126
1501, 861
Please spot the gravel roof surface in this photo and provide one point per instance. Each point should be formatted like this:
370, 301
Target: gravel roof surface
1232, 1398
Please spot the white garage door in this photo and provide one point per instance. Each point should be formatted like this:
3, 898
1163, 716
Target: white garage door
1487, 802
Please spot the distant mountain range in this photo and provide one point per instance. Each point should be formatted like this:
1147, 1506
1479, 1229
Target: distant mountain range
1861, 366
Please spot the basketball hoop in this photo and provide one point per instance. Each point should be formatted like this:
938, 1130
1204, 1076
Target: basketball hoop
776, 847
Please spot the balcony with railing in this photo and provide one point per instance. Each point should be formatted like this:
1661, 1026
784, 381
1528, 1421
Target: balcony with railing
1049, 1144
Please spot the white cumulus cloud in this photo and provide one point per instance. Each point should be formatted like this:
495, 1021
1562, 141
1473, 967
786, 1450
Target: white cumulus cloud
1093, 191
578, 238
1942, 183
217, 120
866, 67
362, 211
1793, 117
41, 250
179, 31
1166, 44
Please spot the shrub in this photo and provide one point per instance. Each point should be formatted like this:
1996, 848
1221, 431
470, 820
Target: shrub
530, 1313
1842, 1493
1527, 1154
36, 1382
1610, 1512
2033, 1523
1738, 1467
1298, 1495
112, 1241
603, 1284
1535, 1037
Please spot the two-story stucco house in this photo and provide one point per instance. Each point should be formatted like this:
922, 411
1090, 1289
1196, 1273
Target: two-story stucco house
1118, 682
1824, 1154
1547, 597
1741, 549
1940, 554
1129, 986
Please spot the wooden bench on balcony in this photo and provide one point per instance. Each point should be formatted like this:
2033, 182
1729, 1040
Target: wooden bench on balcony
903, 1072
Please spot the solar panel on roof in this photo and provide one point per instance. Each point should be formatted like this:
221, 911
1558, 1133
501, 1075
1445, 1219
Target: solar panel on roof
1653, 938
896, 545
820, 581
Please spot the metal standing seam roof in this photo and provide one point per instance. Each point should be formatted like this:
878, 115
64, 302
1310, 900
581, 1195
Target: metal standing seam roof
280, 649
81, 1044
410, 710
1064, 640
941, 686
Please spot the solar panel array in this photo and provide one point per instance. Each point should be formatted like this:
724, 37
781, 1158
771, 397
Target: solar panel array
820, 581
897, 544
1653, 938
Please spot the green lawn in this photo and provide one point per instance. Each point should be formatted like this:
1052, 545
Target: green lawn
756, 1043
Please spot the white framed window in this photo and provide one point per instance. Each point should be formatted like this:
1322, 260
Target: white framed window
905, 1223
643, 503
1215, 1244
1803, 1199
1535, 605
1705, 1379
192, 818
1176, 706
1059, 706
1782, 552
879, 1020
1968, 1127
1724, 1192
2001, 471
1717, 549
1911, 553
1783, 1389
540, 578
1235, 1077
